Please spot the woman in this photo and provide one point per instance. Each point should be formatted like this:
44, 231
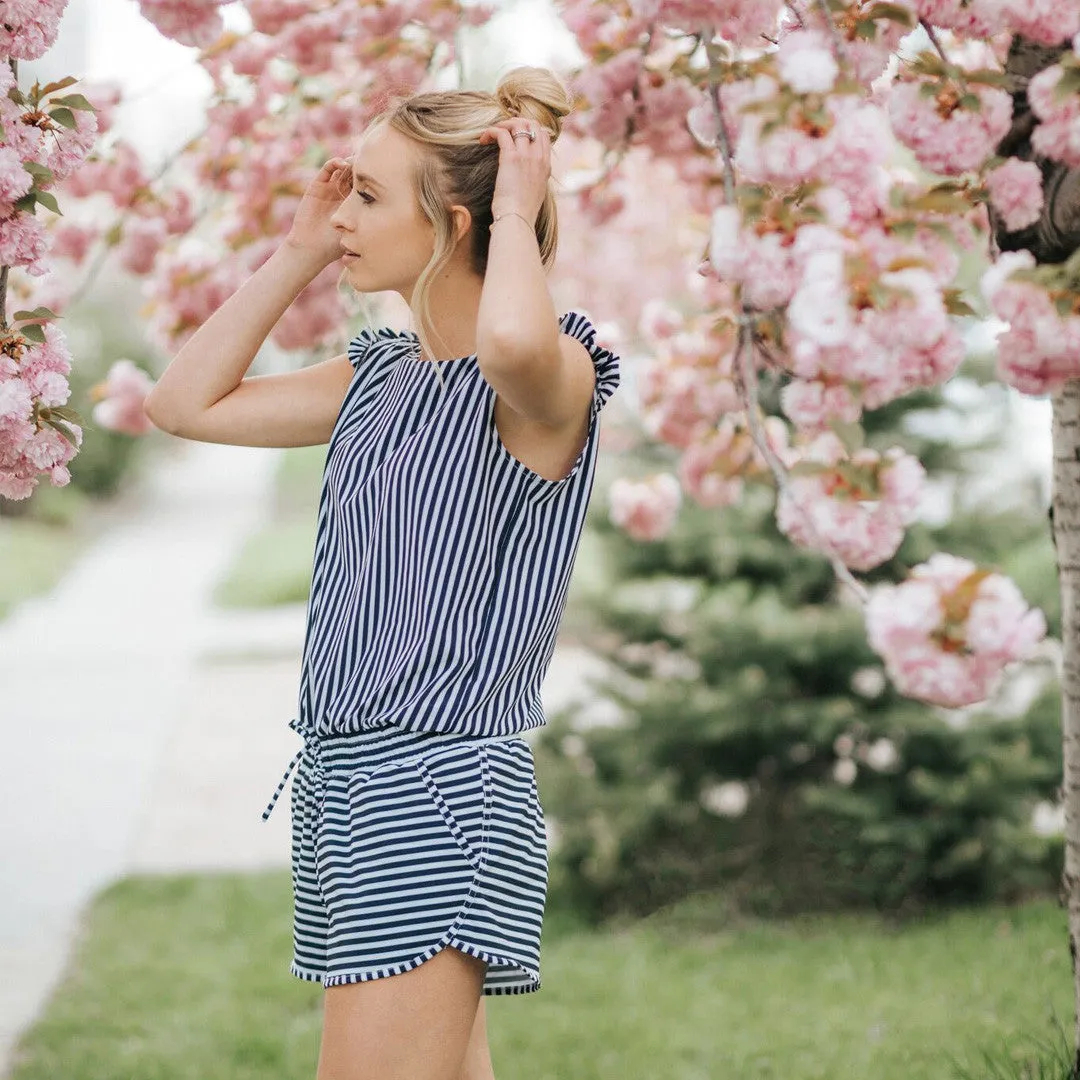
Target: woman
460, 464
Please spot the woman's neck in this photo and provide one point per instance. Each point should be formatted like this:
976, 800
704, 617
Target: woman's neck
454, 304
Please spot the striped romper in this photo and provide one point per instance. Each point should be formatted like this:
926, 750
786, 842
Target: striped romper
440, 576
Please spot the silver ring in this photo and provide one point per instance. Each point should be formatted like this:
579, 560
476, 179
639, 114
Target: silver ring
528, 132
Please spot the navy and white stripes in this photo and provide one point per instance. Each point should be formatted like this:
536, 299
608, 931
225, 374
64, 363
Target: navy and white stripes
441, 561
440, 576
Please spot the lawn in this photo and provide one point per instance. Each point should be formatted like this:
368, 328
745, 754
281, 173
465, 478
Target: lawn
184, 978
34, 556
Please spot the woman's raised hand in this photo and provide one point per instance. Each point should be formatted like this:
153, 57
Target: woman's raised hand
311, 232
524, 167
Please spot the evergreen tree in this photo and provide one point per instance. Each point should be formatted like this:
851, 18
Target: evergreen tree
758, 748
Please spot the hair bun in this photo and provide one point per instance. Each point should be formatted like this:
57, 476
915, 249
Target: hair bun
537, 93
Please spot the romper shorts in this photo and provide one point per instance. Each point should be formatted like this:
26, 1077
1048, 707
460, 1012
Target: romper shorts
404, 842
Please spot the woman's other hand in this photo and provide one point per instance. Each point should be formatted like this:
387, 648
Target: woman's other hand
311, 230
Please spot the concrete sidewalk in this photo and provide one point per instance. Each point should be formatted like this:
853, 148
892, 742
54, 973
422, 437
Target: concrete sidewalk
95, 678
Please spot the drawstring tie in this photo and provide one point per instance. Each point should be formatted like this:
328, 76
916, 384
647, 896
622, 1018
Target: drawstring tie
310, 748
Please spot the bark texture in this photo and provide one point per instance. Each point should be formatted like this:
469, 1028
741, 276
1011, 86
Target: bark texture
1052, 239
1066, 518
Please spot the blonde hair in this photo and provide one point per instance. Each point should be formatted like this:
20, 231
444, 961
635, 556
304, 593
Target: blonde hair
456, 168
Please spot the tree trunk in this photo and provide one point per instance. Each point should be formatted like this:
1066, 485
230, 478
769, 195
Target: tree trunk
1052, 239
1066, 519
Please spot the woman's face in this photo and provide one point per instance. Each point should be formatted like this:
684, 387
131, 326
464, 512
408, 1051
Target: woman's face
386, 238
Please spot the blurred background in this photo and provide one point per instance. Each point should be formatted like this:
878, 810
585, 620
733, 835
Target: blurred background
764, 862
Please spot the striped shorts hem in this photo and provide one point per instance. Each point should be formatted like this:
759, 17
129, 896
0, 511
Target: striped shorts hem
407, 842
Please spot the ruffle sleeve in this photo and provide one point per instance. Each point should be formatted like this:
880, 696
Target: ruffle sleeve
604, 361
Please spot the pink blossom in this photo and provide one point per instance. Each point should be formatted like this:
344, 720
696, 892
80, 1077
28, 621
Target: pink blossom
806, 62
1040, 351
122, 394
16, 399
855, 507
1046, 21
688, 387
645, 509
142, 240
23, 243
273, 16
659, 320
68, 148
812, 405
315, 316
1058, 136
73, 241
713, 467
190, 22
1016, 192
122, 176
15, 181
947, 632
736, 20
28, 27
946, 136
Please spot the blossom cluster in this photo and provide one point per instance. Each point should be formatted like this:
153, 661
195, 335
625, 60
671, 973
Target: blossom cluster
1040, 349
47, 133
856, 506
948, 631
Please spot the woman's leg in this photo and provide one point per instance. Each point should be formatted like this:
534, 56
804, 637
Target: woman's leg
413, 1026
477, 1064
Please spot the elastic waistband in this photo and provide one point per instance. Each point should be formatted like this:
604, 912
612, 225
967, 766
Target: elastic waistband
372, 747
369, 748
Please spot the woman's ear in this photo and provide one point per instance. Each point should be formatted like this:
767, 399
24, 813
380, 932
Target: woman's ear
462, 221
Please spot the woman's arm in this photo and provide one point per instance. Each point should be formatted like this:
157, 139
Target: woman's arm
203, 394
215, 358
544, 376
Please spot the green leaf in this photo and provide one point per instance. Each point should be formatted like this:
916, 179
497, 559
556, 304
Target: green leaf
48, 200
64, 117
37, 313
850, 434
892, 12
807, 468
74, 101
1067, 85
928, 63
63, 84
955, 304
27, 203
39, 171
940, 202
971, 102
33, 332
63, 429
866, 29
66, 412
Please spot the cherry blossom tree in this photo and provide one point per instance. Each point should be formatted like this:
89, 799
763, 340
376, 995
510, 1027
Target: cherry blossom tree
847, 161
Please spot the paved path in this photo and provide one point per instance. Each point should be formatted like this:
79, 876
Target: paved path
144, 730
93, 680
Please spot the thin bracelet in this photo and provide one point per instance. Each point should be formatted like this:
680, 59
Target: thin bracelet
510, 213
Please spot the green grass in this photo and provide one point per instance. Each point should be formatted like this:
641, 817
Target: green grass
184, 978
34, 556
